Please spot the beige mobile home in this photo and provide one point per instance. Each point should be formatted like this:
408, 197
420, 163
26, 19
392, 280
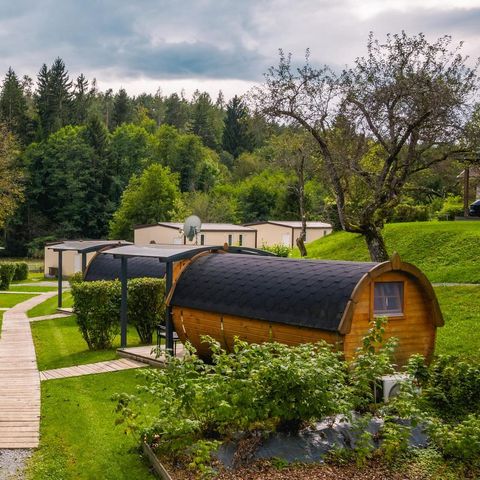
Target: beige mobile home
276, 232
71, 261
170, 233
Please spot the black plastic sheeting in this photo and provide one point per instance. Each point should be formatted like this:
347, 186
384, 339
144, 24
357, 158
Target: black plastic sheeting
311, 445
105, 267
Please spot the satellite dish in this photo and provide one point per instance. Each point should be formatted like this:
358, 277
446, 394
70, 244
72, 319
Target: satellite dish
191, 227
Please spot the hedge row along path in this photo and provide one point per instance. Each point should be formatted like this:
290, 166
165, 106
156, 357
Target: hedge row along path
19, 378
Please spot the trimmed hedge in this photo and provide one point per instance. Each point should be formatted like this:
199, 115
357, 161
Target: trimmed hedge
21, 271
76, 278
97, 306
146, 305
7, 272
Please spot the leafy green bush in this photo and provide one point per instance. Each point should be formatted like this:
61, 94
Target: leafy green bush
97, 309
76, 278
7, 272
21, 271
453, 387
146, 305
452, 207
459, 441
269, 386
406, 212
277, 249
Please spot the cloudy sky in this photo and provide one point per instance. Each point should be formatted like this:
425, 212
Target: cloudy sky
142, 45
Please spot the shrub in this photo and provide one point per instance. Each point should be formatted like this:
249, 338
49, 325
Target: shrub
277, 249
453, 387
146, 305
256, 386
76, 278
405, 212
452, 207
7, 272
460, 441
97, 309
21, 271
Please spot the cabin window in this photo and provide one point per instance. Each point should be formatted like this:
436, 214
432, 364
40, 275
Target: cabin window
388, 298
230, 240
202, 239
240, 240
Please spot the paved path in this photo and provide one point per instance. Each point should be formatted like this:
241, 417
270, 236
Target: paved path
19, 378
90, 369
50, 317
456, 284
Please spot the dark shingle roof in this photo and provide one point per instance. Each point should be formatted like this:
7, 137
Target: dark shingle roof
308, 293
105, 267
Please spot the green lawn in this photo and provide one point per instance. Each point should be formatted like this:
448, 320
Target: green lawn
461, 309
8, 300
78, 437
28, 287
444, 251
49, 306
58, 343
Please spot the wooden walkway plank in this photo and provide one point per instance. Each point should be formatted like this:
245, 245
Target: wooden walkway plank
19, 377
90, 369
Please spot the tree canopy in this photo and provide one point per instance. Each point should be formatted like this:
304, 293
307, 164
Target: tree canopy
397, 111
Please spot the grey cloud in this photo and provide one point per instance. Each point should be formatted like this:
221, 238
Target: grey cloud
222, 39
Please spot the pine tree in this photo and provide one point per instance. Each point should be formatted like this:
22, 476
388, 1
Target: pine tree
236, 135
203, 120
13, 106
81, 97
121, 108
53, 97
176, 112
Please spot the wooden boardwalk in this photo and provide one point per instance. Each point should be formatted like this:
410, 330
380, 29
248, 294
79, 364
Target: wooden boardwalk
90, 369
19, 378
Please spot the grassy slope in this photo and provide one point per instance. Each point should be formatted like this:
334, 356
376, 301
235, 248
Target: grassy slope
444, 251
58, 343
78, 437
461, 310
49, 306
8, 300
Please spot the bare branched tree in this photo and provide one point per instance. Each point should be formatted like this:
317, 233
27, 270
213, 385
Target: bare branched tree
399, 110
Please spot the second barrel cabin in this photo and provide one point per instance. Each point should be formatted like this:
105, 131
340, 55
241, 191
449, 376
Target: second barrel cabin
260, 299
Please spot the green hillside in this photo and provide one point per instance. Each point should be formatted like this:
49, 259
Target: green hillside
445, 251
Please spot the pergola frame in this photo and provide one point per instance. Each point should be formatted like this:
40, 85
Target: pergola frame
80, 246
167, 254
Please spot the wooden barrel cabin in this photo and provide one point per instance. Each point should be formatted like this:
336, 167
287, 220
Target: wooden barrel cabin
291, 301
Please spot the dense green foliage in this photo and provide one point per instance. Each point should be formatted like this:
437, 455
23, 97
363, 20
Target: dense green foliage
7, 272
96, 305
146, 306
21, 271
97, 309
151, 197
444, 251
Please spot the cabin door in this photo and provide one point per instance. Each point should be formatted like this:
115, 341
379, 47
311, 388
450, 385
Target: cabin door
286, 240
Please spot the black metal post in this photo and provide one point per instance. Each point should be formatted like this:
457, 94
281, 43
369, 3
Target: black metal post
84, 262
123, 305
168, 315
60, 275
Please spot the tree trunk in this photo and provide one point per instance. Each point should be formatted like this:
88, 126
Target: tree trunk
375, 244
301, 199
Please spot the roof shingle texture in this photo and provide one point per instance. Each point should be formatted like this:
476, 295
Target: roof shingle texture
307, 293
105, 267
